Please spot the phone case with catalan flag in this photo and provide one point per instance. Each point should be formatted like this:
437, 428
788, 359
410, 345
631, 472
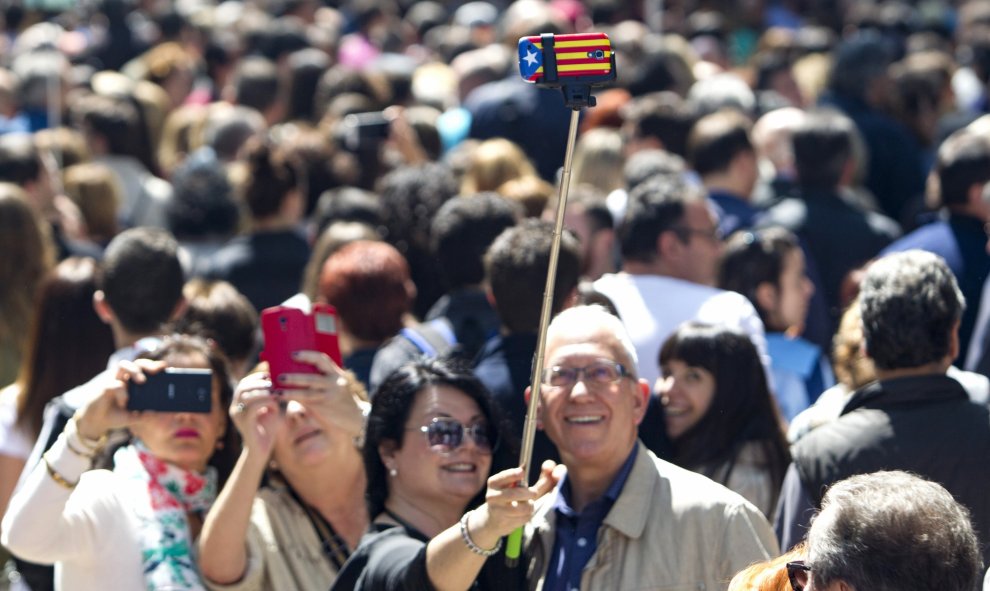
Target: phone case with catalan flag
556, 60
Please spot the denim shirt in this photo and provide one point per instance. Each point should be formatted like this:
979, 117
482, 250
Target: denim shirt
577, 532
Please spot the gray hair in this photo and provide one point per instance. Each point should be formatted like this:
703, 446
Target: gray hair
592, 317
910, 304
893, 531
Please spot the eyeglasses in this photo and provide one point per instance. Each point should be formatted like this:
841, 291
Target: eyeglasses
603, 372
797, 572
713, 234
446, 435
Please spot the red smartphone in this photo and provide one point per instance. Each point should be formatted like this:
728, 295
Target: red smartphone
556, 60
287, 330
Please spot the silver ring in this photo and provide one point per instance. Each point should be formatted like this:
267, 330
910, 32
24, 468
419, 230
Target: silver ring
239, 408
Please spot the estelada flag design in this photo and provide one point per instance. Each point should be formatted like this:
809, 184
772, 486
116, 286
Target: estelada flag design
587, 54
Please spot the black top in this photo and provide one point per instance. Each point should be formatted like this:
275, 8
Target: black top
925, 425
267, 267
393, 558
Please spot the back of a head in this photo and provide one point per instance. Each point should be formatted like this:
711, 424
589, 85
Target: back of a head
893, 531
94, 188
271, 177
823, 145
368, 282
663, 116
410, 197
722, 91
215, 310
859, 61
494, 162
716, 139
599, 158
19, 163
963, 160
463, 230
910, 305
203, 204
655, 206
113, 119
256, 83
228, 127
142, 278
648, 163
516, 268
26, 254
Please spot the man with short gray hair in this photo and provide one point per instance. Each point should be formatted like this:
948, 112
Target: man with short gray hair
914, 417
890, 531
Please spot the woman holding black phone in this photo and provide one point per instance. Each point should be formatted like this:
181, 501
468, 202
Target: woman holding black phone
131, 527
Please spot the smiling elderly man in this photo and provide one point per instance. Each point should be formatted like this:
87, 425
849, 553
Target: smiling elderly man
621, 518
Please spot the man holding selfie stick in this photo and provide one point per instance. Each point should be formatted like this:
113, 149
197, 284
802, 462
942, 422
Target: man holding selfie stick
620, 515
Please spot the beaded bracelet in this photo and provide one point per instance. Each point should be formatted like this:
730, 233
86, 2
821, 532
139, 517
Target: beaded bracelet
470, 543
58, 478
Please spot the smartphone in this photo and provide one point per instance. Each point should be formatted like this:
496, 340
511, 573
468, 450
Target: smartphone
556, 60
365, 130
173, 389
288, 329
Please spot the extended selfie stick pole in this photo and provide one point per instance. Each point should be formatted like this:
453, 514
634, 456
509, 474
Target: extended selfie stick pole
575, 98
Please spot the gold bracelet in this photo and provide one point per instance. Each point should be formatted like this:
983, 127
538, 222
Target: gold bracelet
58, 478
78, 452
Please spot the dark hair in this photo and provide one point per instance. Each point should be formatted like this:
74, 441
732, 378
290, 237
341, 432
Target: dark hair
306, 67
411, 197
859, 61
655, 206
67, 343
142, 278
664, 116
346, 204
215, 310
394, 400
462, 231
752, 258
963, 160
202, 205
716, 139
823, 144
368, 282
910, 304
742, 409
516, 267
177, 345
645, 164
19, 162
256, 83
115, 119
894, 531
270, 178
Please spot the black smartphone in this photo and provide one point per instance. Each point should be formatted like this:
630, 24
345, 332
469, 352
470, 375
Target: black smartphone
365, 130
174, 389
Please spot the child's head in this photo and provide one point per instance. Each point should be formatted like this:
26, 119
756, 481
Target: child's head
767, 267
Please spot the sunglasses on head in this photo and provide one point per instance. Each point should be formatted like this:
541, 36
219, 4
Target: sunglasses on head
446, 435
799, 573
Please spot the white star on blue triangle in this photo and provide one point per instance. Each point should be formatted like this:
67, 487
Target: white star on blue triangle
530, 59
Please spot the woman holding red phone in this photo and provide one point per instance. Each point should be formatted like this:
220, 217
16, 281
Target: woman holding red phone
131, 527
293, 509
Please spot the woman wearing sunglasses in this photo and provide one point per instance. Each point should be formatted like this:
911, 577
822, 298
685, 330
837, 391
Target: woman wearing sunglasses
293, 508
428, 453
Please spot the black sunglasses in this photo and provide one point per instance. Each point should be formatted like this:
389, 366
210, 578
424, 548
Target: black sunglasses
797, 572
446, 434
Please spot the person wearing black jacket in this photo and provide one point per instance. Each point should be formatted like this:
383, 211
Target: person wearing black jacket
914, 417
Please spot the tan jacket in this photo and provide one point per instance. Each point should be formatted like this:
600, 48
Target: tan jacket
669, 530
284, 551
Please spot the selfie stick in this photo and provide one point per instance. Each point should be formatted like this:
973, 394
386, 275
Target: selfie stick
576, 96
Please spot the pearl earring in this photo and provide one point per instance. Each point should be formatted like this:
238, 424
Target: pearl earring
393, 472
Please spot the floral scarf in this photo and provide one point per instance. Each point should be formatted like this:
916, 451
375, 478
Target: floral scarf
162, 495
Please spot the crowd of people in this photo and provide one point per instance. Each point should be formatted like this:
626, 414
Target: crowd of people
768, 364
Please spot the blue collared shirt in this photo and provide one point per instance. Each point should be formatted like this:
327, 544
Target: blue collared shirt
577, 533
